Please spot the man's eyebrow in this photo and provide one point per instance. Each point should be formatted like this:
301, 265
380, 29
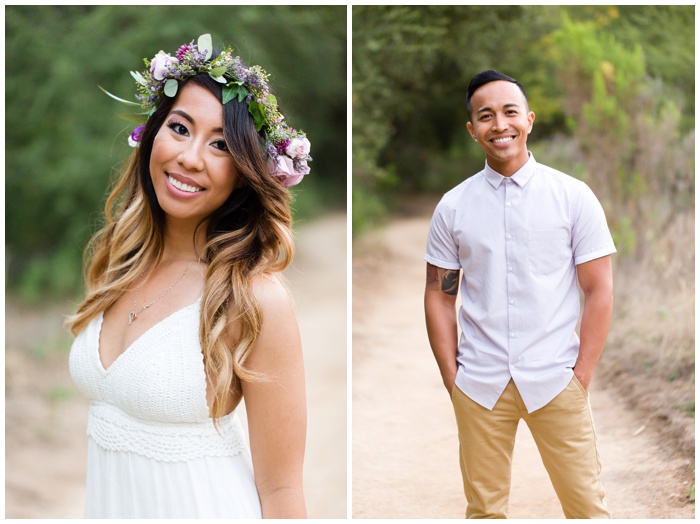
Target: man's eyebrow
505, 106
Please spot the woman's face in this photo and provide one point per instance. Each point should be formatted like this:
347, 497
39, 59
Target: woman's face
191, 168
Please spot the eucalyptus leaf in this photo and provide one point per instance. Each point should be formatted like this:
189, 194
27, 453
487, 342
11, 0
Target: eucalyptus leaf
204, 43
218, 71
138, 77
117, 98
219, 79
170, 88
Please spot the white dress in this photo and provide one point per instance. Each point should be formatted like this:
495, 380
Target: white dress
153, 451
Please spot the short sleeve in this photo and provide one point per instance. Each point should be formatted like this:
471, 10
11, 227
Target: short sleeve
591, 236
442, 251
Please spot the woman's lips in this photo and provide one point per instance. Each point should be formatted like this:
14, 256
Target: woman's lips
180, 190
184, 183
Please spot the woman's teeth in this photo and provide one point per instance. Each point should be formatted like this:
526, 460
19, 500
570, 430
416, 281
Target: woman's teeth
184, 187
501, 140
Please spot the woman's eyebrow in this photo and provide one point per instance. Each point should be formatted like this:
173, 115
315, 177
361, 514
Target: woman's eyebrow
183, 115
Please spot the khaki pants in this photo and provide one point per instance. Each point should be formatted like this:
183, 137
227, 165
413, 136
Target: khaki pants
564, 433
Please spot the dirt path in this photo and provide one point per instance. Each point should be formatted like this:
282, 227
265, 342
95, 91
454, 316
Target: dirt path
404, 453
45, 417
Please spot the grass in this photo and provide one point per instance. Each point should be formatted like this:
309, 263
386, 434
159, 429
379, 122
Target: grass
687, 407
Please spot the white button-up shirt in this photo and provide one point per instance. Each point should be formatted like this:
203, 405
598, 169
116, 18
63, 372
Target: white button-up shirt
518, 240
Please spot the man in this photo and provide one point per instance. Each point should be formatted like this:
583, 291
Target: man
525, 237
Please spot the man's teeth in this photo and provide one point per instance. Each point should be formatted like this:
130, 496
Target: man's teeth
505, 139
184, 187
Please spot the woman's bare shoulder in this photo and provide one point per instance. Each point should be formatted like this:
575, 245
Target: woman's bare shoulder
272, 293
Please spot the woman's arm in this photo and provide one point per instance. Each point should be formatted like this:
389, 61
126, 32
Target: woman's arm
276, 406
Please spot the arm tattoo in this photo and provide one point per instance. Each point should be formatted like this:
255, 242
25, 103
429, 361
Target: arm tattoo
450, 281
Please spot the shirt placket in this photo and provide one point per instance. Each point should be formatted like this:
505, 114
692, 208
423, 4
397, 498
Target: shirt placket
511, 260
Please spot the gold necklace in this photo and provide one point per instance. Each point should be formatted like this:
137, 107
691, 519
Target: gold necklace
133, 315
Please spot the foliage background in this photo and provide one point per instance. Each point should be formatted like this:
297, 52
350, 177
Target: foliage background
613, 88
64, 141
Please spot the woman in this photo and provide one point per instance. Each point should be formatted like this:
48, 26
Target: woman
185, 314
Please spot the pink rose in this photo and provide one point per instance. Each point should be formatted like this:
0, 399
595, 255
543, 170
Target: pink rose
285, 170
160, 65
299, 147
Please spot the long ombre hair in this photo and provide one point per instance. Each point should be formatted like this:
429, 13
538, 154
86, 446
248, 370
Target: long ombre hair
249, 235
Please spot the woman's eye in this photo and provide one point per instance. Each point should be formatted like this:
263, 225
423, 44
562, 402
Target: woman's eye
178, 128
221, 145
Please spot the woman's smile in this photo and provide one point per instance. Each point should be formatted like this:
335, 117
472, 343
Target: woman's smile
182, 184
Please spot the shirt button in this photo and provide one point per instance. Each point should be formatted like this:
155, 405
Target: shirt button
509, 236
512, 334
511, 301
510, 269
508, 204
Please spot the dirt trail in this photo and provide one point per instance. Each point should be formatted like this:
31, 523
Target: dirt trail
45, 417
405, 451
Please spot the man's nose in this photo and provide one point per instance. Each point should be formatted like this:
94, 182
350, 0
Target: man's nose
500, 123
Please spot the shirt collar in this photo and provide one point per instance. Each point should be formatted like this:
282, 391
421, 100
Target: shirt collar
521, 177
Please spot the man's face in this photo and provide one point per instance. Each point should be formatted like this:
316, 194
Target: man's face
500, 122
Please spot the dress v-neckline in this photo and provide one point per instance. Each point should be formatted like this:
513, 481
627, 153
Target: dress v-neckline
136, 341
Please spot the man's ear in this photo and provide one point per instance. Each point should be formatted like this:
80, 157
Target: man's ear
470, 128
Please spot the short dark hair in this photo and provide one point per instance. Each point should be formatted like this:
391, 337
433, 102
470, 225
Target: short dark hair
486, 77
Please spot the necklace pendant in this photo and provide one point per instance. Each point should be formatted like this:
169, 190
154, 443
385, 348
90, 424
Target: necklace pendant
132, 317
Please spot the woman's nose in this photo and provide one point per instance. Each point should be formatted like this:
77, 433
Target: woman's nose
191, 156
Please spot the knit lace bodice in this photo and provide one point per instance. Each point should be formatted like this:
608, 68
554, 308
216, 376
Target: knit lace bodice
152, 399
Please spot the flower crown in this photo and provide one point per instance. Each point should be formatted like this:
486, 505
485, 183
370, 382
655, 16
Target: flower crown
287, 149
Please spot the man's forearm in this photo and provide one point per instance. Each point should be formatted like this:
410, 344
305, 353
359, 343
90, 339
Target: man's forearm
596, 281
441, 322
595, 323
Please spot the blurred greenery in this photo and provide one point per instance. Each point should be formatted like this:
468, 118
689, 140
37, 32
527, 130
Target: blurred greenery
64, 141
613, 88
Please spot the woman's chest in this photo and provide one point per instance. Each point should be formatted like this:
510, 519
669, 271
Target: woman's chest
159, 376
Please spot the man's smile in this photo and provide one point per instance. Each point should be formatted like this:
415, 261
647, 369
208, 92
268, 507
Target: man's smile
502, 140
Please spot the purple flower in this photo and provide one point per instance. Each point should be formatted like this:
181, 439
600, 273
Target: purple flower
282, 146
181, 52
135, 137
